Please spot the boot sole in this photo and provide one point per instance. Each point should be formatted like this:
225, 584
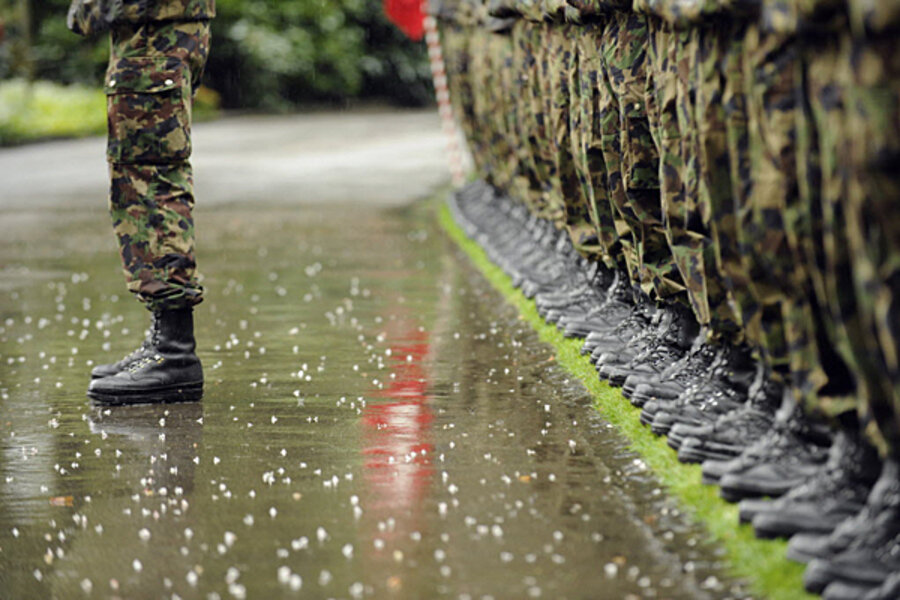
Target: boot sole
798, 556
770, 528
702, 454
734, 496
617, 379
690, 456
661, 429
734, 492
709, 479
190, 392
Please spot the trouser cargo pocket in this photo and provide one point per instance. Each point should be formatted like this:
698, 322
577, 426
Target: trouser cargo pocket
149, 111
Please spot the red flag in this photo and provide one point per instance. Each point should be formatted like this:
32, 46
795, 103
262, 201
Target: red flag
407, 16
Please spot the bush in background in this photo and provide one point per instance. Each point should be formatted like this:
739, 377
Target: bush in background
266, 55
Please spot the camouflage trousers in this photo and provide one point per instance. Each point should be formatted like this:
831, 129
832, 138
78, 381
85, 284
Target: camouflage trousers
487, 54
761, 137
154, 69
563, 107
585, 138
850, 125
532, 59
455, 41
684, 100
632, 160
713, 220
873, 226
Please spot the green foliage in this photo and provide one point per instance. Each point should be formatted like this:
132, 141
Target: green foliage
48, 110
265, 55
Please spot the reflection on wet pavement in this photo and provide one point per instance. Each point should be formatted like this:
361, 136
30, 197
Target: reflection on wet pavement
376, 423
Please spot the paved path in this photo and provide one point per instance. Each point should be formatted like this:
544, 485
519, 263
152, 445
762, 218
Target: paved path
374, 156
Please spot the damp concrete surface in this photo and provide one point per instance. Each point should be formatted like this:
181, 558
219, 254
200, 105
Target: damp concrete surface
377, 422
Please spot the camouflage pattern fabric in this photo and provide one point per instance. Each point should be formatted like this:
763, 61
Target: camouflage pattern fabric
505, 111
745, 163
89, 17
685, 110
154, 69
776, 225
456, 59
869, 210
634, 188
769, 184
584, 124
495, 154
524, 65
715, 208
544, 93
145, 11
626, 229
670, 96
564, 86
823, 133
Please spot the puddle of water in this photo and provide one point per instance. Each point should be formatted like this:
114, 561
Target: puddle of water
376, 423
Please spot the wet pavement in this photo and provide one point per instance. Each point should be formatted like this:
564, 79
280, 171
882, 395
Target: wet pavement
376, 423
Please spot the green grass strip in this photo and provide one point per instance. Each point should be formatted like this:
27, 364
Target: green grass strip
761, 562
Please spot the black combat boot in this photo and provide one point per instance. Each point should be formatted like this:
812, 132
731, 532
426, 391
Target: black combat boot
787, 457
171, 372
726, 390
145, 349
841, 590
601, 315
672, 342
835, 493
683, 375
619, 319
873, 554
732, 433
806, 547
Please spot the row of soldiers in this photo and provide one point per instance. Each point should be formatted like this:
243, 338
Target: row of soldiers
721, 179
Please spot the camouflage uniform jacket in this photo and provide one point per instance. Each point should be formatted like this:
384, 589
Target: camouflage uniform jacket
89, 17
139, 11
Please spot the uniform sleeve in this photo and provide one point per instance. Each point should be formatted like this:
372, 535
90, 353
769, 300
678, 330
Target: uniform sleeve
143, 11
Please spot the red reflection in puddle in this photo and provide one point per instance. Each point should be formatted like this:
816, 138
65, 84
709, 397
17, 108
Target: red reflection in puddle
396, 440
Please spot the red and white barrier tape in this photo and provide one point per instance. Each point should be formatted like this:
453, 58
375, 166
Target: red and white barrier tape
455, 154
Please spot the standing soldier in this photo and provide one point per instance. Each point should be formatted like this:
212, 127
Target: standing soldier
159, 50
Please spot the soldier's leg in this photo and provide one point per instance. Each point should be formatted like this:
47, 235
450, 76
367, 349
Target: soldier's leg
522, 68
776, 231
564, 116
862, 232
873, 225
673, 133
821, 238
546, 93
502, 45
762, 327
589, 166
153, 72
454, 40
774, 222
532, 105
484, 74
610, 144
638, 199
715, 225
